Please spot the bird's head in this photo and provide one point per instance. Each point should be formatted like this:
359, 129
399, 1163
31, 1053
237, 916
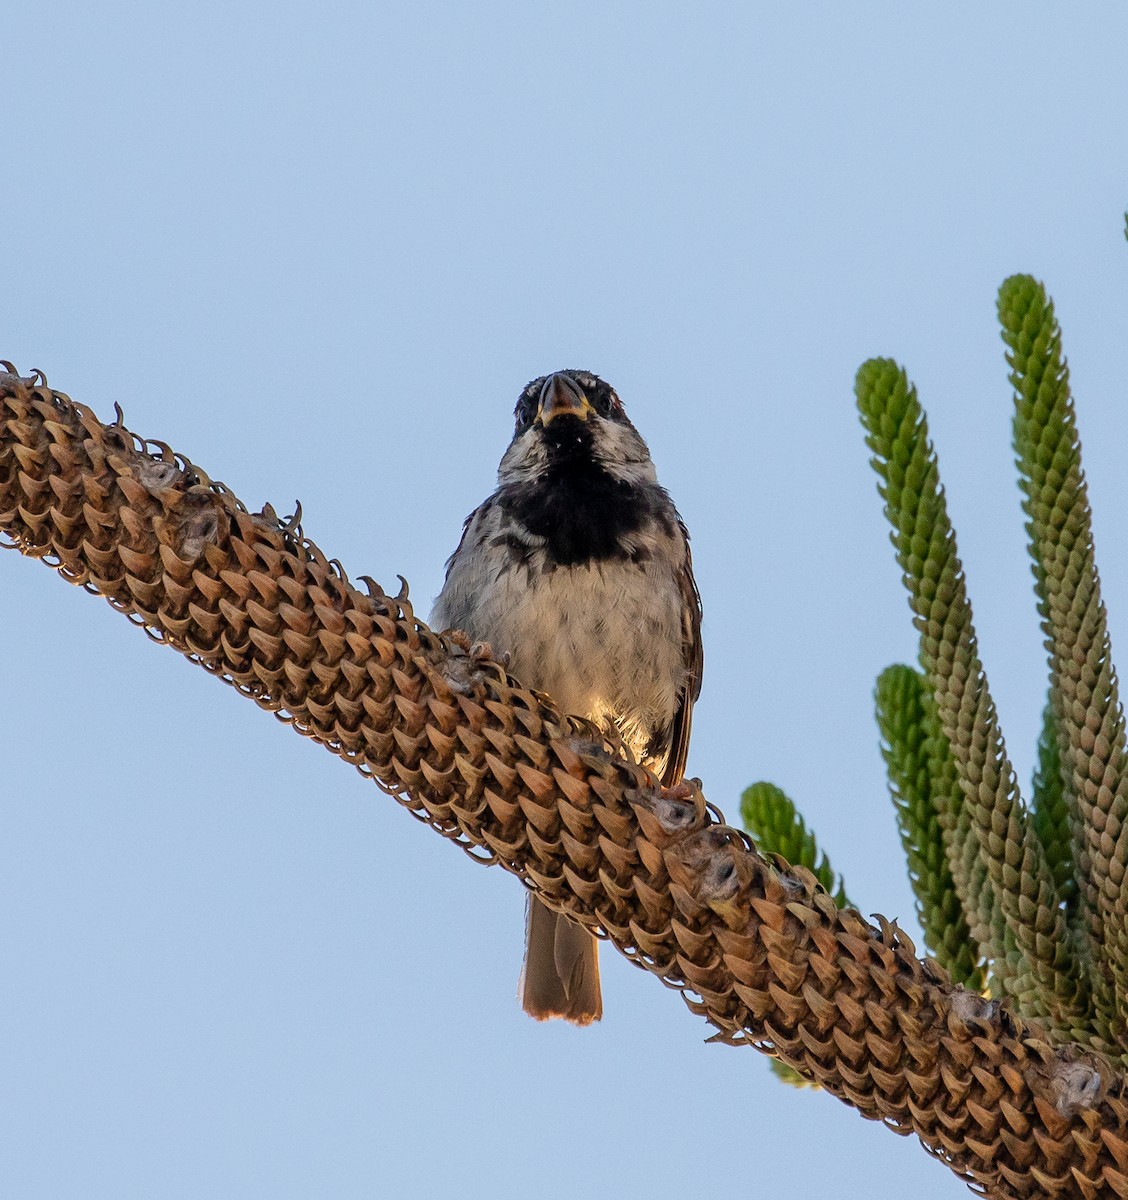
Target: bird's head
569, 421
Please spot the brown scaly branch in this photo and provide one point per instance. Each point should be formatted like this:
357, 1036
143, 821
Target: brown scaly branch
756, 948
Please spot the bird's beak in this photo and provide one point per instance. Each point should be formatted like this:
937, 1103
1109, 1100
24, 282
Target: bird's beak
561, 396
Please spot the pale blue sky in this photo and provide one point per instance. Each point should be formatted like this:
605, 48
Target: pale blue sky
319, 249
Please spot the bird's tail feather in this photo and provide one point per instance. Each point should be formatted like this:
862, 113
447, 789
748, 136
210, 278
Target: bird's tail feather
560, 977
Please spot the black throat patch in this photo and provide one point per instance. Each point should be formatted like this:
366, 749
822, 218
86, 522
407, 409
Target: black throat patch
583, 514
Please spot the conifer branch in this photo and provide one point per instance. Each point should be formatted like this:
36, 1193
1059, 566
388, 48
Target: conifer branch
925, 791
762, 954
1093, 748
1035, 959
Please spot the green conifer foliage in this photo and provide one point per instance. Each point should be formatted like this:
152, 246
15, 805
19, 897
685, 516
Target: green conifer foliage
1034, 960
1032, 900
777, 827
1083, 686
1051, 810
924, 787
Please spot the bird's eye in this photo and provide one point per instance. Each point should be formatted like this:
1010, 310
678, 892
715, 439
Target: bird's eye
525, 412
604, 401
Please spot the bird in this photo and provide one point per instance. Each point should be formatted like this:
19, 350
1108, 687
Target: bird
578, 568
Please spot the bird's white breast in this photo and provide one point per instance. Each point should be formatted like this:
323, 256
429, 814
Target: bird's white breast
604, 638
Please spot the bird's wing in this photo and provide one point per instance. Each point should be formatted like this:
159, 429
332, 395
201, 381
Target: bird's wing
693, 658
454, 605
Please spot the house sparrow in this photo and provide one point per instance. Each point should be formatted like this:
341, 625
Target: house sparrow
578, 568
